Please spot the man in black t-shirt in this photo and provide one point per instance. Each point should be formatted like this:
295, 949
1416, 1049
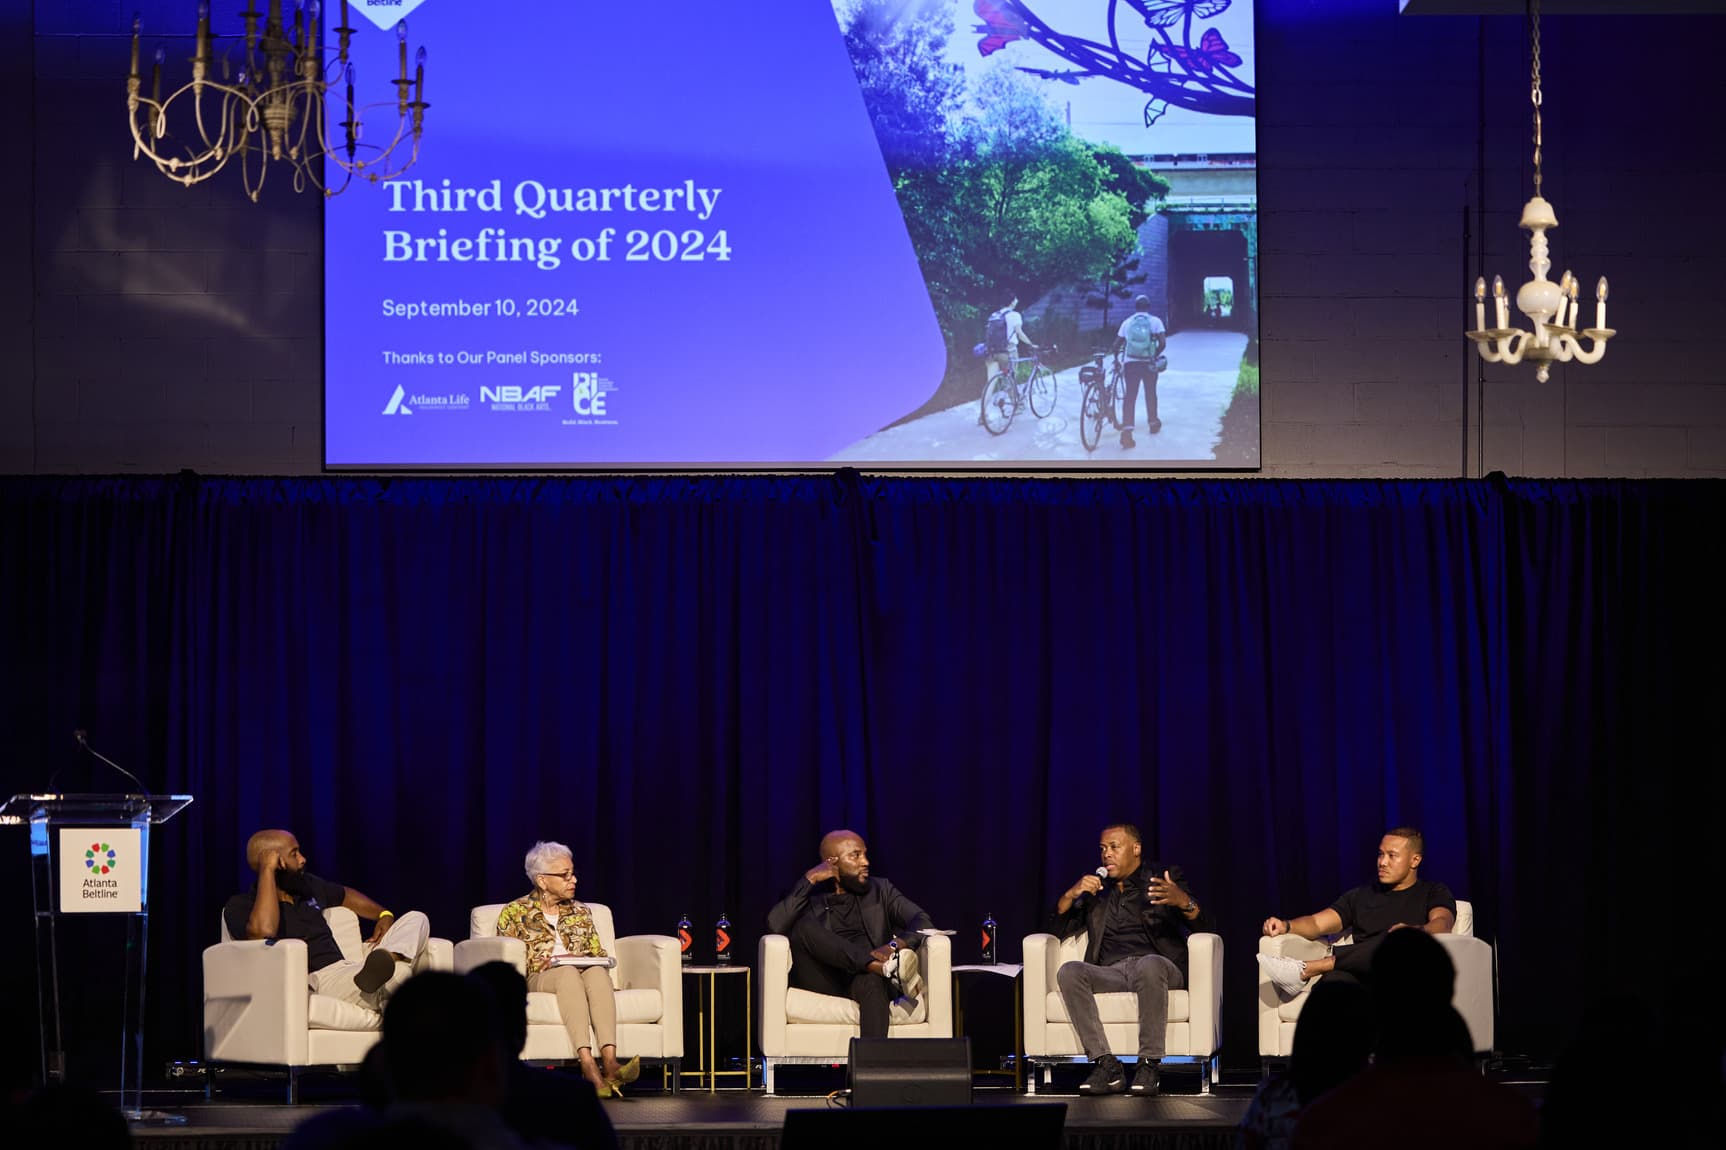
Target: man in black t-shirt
1136, 926
1400, 899
845, 929
288, 901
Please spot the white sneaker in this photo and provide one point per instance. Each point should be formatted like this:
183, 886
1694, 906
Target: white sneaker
1284, 972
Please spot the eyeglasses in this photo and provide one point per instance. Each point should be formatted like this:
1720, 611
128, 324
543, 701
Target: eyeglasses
566, 874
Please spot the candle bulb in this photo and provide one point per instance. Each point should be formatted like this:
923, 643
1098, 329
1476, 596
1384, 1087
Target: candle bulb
204, 31
137, 30
402, 46
1480, 303
1575, 286
350, 126
312, 28
299, 24
420, 76
1600, 304
344, 13
1501, 306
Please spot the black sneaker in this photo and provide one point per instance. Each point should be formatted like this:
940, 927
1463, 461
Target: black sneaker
377, 969
1144, 1080
1127, 439
1107, 1077
1154, 426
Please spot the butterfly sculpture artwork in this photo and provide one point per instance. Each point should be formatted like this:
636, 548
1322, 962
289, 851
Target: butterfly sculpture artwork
1173, 70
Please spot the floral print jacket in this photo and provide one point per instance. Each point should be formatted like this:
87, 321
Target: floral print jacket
524, 920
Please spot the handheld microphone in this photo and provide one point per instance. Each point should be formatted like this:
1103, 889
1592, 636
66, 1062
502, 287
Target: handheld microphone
1102, 872
83, 741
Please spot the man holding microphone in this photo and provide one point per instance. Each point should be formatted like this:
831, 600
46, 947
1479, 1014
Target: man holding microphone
1137, 919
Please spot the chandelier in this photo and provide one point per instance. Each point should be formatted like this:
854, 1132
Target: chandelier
1550, 307
275, 109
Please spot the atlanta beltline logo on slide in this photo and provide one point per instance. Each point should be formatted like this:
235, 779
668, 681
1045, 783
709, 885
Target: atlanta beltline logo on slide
100, 858
384, 13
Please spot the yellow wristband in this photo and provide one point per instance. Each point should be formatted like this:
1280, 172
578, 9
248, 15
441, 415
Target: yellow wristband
383, 914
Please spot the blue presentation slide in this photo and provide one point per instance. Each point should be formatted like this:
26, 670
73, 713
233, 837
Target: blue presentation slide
797, 234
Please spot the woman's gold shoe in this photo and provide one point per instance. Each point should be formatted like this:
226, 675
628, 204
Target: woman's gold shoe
629, 1071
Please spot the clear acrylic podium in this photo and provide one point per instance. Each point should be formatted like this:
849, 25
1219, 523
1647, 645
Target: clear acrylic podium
82, 852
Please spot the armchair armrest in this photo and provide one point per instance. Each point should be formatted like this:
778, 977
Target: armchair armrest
256, 1002
773, 963
655, 962
1292, 946
1042, 955
1205, 992
937, 960
439, 955
1472, 958
476, 952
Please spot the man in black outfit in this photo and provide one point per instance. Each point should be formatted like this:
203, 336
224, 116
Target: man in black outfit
1137, 925
289, 902
1399, 900
845, 929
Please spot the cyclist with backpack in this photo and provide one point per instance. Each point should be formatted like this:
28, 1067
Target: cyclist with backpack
1142, 338
1003, 335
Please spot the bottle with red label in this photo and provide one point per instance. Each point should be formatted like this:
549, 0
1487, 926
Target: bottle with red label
989, 939
722, 941
685, 940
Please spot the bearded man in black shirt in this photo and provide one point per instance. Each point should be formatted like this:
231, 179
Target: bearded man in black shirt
845, 928
289, 902
1136, 928
1400, 900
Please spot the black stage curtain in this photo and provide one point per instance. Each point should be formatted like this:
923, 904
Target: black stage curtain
689, 679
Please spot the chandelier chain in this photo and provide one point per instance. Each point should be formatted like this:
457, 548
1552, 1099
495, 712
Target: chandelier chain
1534, 91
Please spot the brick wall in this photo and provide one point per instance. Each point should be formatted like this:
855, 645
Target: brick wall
151, 328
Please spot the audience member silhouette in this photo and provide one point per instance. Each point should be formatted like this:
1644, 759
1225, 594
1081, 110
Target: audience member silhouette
1423, 1090
449, 1062
549, 1106
1333, 1039
447, 1071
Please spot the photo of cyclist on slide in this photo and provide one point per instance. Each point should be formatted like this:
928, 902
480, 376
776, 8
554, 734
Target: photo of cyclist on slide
1142, 339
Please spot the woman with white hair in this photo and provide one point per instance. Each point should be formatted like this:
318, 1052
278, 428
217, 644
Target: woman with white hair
560, 934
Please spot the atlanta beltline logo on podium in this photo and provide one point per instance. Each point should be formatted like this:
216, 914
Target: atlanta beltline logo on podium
100, 858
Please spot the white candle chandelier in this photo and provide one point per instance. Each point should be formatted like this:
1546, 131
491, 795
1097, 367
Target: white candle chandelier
275, 109
1550, 307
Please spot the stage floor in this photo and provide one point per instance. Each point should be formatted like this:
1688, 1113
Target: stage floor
737, 1120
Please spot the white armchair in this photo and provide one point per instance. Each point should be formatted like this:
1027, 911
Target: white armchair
801, 1026
259, 1009
1473, 998
1194, 1031
648, 977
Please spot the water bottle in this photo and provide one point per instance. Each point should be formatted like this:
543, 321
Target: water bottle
989, 939
685, 940
722, 941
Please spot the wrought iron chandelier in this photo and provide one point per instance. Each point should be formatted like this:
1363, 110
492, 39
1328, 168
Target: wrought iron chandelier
1550, 307
275, 109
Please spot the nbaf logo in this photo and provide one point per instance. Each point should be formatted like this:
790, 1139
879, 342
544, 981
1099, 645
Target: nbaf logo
513, 394
587, 395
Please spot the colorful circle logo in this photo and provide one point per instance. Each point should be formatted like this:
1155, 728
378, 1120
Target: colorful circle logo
99, 859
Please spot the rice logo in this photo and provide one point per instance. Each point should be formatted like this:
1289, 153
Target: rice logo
586, 395
100, 859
